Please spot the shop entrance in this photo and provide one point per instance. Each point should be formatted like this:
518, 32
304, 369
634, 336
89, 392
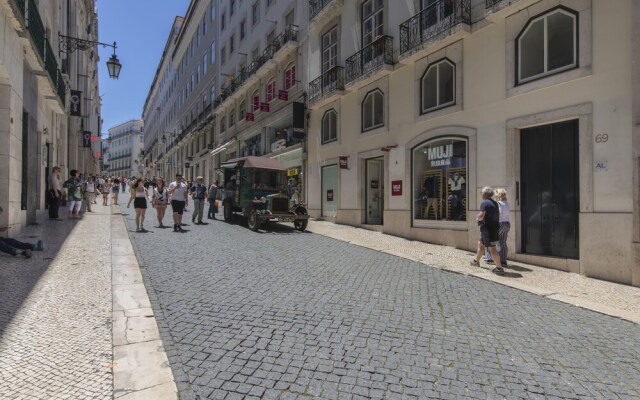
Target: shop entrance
550, 204
374, 191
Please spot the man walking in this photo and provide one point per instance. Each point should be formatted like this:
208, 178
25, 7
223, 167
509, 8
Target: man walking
179, 200
199, 192
213, 195
488, 221
54, 194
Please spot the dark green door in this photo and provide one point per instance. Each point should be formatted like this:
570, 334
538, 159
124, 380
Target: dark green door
549, 193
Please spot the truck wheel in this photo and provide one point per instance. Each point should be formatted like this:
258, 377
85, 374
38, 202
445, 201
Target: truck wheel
300, 224
253, 221
228, 210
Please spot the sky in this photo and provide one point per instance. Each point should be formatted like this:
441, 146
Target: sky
140, 28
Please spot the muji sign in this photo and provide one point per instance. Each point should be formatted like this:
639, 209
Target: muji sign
396, 188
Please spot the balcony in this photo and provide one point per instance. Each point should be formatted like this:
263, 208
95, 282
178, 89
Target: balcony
496, 10
28, 14
438, 25
364, 66
326, 87
320, 11
281, 47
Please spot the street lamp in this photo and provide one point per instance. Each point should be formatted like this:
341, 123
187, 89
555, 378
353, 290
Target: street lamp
68, 44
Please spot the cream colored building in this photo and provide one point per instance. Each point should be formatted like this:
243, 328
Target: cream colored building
125, 156
36, 76
416, 105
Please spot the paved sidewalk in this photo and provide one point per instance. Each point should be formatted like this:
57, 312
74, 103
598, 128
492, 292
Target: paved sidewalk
605, 297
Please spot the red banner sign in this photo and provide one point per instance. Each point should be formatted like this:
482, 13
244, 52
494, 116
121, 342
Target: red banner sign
249, 117
264, 107
396, 188
283, 95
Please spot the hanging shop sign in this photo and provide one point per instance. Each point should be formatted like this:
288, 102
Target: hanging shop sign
249, 117
283, 95
86, 139
76, 110
396, 188
292, 172
344, 162
330, 195
264, 107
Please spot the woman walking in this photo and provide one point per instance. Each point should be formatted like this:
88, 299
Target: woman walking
106, 189
159, 201
90, 192
115, 190
139, 198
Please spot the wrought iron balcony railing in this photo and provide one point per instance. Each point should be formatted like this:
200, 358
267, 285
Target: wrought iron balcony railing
432, 21
315, 6
491, 3
329, 82
369, 59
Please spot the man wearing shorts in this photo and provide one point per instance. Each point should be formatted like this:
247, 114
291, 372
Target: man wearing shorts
488, 221
179, 200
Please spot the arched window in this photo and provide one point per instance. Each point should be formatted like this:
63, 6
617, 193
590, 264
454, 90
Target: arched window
438, 86
290, 76
255, 99
232, 118
271, 90
242, 110
548, 44
373, 110
329, 126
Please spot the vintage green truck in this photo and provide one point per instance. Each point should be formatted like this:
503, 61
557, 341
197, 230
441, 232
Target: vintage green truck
256, 188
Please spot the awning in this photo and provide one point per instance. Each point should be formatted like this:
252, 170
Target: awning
263, 163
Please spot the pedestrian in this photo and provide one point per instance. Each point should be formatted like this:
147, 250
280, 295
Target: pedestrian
106, 189
115, 190
505, 227
15, 247
90, 191
74, 194
213, 195
123, 182
179, 200
488, 221
54, 194
199, 193
159, 200
139, 198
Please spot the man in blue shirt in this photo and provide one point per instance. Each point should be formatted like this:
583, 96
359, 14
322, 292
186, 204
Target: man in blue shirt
488, 221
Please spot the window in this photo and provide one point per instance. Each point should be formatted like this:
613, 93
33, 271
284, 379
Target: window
204, 24
232, 7
548, 44
289, 19
222, 125
242, 110
329, 126
213, 10
255, 100
232, 118
232, 41
255, 54
271, 90
373, 110
372, 21
223, 55
438, 86
440, 180
255, 13
204, 100
269, 3
223, 18
243, 29
205, 62
213, 93
289, 77
271, 36
213, 52
330, 50
198, 75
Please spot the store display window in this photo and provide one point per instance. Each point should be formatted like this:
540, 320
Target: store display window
440, 180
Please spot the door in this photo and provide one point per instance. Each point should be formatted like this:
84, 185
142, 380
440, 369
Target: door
374, 191
549, 175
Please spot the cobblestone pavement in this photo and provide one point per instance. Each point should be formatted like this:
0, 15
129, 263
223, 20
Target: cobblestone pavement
284, 314
55, 312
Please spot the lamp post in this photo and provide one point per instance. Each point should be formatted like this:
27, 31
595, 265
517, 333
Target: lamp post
68, 44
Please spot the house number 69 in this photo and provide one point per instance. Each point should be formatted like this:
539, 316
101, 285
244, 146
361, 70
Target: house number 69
602, 138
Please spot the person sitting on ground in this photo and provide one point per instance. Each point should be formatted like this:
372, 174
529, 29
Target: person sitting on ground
15, 247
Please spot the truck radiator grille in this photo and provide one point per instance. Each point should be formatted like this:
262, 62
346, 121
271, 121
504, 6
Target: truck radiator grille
280, 204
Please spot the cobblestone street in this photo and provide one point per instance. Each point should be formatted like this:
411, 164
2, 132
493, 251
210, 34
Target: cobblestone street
283, 314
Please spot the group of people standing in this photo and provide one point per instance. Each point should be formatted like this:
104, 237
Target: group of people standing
493, 220
177, 195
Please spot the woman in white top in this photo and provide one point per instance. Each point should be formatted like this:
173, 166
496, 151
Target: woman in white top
160, 200
90, 191
500, 196
139, 198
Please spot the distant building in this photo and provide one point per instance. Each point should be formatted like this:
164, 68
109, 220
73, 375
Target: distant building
125, 154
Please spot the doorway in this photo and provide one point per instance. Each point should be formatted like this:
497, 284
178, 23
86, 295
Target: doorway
550, 190
374, 190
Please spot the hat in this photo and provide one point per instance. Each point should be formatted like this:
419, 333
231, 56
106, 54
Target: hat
199, 177
180, 175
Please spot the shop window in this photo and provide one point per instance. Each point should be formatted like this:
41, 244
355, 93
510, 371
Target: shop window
440, 180
547, 45
438, 86
329, 126
373, 110
290, 77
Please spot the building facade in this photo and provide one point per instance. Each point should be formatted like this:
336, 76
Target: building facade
415, 106
228, 85
125, 156
36, 76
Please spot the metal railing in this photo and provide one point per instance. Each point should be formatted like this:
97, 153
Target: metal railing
432, 21
288, 35
315, 6
329, 82
369, 59
491, 3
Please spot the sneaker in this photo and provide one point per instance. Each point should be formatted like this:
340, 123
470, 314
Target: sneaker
138, 230
39, 246
27, 253
489, 262
498, 271
474, 263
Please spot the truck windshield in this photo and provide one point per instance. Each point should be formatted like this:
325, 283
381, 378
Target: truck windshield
269, 180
